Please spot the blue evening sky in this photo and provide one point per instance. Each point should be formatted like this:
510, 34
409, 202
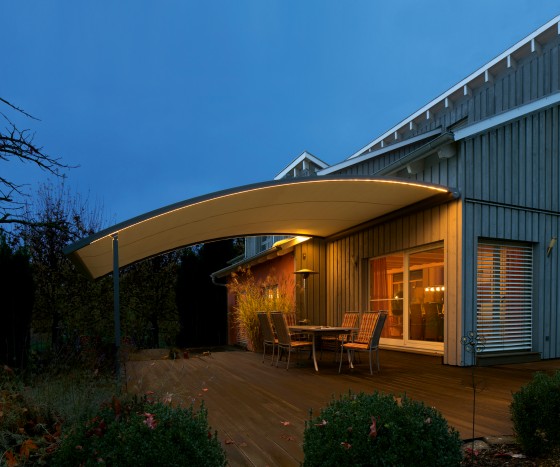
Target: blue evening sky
161, 101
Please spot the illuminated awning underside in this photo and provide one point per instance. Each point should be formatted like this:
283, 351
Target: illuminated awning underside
316, 207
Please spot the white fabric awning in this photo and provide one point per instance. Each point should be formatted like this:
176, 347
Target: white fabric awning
314, 207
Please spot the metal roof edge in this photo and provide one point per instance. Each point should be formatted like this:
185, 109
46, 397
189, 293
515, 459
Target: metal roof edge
233, 267
480, 71
422, 151
507, 116
369, 155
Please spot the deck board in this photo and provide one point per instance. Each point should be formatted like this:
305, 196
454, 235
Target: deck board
250, 402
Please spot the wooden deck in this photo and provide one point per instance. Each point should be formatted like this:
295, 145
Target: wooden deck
260, 411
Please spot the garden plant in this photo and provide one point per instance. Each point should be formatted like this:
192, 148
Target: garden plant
254, 295
535, 411
377, 430
142, 432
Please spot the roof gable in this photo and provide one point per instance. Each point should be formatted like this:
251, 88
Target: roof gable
529, 45
300, 162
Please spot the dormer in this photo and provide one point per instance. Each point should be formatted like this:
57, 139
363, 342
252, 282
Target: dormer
305, 165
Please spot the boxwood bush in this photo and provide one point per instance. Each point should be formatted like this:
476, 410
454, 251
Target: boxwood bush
535, 412
378, 430
142, 433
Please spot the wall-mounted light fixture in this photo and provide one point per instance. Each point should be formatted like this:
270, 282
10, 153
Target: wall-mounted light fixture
550, 246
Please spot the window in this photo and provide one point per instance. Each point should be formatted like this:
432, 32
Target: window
410, 286
505, 296
426, 290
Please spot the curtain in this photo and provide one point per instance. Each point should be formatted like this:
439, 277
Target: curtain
380, 292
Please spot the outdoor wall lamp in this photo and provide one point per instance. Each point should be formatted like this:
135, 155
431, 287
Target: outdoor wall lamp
550, 246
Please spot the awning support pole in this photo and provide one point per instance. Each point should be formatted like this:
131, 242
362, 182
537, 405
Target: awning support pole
116, 303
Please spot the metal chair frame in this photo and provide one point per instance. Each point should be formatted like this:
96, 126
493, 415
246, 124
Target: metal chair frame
367, 339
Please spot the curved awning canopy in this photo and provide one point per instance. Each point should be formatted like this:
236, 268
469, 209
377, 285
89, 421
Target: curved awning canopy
314, 207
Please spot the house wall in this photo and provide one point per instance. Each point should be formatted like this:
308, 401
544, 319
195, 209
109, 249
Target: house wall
311, 255
517, 199
281, 268
508, 178
347, 260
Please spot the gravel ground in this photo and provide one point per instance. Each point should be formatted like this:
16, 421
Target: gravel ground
503, 450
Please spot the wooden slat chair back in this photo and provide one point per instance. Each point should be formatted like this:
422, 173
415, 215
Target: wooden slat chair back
367, 339
349, 320
285, 341
367, 325
291, 318
269, 339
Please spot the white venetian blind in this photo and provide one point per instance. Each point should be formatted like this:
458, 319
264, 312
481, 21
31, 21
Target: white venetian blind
505, 296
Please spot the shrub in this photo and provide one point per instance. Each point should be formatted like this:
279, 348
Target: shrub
32, 415
377, 429
535, 411
141, 433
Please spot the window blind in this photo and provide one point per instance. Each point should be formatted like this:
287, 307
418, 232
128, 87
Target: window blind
505, 296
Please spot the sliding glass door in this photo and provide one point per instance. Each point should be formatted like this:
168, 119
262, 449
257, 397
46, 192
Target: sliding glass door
411, 287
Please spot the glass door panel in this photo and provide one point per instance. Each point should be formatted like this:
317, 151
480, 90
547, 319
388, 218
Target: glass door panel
386, 292
426, 291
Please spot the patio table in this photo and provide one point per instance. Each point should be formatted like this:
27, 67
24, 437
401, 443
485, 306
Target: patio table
320, 331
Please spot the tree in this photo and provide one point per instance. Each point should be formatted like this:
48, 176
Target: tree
18, 145
16, 290
148, 301
203, 304
67, 304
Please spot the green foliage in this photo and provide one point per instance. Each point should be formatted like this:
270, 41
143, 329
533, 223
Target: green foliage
254, 295
202, 304
535, 411
67, 304
378, 430
141, 433
31, 415
149, 309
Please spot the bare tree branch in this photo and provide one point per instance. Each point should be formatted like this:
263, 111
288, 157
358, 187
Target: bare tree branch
18, 145
18, 109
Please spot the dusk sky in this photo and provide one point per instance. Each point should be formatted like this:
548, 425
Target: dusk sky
161, 101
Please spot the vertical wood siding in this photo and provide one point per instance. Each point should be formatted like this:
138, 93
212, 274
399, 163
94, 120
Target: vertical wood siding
348, 257
524, 206
311, 255
509, 180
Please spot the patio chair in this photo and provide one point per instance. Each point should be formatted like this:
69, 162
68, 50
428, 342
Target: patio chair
285, 340
367, 339
269, 339
350, 320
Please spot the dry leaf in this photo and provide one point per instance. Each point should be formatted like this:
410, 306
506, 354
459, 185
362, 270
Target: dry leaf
11, 460
26, 447
373, 428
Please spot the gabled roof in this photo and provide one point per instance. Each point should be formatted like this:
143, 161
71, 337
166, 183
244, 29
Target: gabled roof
314, 207
298, 160
508, 59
